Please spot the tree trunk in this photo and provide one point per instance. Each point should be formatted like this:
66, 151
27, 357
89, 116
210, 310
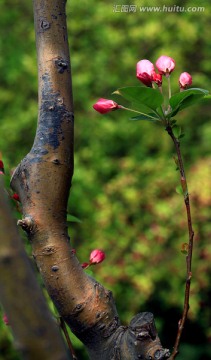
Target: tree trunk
42, 181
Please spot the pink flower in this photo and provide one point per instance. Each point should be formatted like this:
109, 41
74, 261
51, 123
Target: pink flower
185, 80
145, 71
96, 256
103, 106
16, 197
1, 167
157, 78
165, 65
5, 319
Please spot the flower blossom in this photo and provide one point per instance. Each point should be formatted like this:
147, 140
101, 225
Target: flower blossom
96, 256
103, 106
5, 319
157, 78
1, 167
165, 65
185, 80
16, 197
145, 71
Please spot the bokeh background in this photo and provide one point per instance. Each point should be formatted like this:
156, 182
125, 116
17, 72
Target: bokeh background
124, 183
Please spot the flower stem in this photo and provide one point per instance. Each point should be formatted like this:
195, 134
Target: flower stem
69, 343
182, 321
138, 112
169, 86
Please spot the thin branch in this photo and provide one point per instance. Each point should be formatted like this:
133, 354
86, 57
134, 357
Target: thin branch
69, 343
183, 180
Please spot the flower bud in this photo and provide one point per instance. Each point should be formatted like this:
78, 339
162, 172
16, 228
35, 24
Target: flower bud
145, 71
5, 319
157, 78
185, 80
103, 106
165, 65
96, 257
1, 167
16, 197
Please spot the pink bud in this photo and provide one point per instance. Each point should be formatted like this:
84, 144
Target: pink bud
157, 78
103, 106
185, 80
1, 167
145, 71
16, 197
96, 257
165, 65
5, 319
85, 265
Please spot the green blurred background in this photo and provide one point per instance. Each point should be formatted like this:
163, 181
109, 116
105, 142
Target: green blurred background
124, 182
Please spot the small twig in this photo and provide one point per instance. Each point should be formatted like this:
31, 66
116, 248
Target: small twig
182, 321
69, 343
169, 86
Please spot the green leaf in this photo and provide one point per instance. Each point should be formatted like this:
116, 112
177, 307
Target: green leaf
146, 117
179, 190
140, 107
151, 98
72, 218
173, 122
186, 98
177, 131
181, 136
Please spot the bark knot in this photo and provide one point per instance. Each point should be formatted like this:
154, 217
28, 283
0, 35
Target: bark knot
27, 224
158, 353
55, 268
45, 25
61, 64
48, 250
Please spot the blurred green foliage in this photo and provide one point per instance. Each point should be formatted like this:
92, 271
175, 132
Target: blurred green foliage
125, 179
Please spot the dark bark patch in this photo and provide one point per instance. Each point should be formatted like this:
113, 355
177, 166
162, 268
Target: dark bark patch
45, 25
61, 64
143, 326
53, 113
40, 152
56, 162
6, 259
55, 268
48, 250
111, 327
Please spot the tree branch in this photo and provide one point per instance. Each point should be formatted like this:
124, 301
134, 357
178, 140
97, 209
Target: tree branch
190, 243
69, 343
31, 322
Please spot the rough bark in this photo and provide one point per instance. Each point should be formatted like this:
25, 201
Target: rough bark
42, 181
31, 322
